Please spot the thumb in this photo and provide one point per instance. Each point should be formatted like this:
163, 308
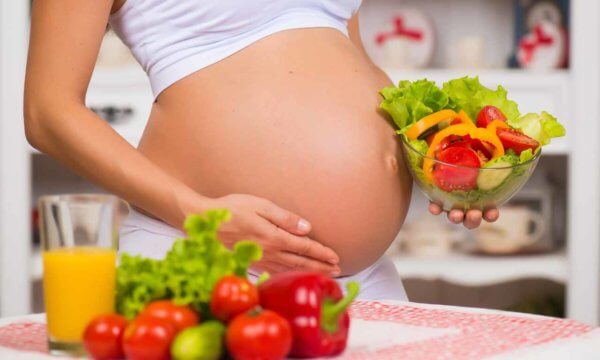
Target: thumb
286, 220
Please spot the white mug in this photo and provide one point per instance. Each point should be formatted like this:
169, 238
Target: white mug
428, 237
511, 232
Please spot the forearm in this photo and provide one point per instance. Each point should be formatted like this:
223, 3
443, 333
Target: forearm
82, 141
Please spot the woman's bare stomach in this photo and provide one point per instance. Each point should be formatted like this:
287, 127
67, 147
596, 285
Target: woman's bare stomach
293, 118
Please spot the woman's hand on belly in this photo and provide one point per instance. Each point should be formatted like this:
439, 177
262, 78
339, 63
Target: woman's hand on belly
281, 234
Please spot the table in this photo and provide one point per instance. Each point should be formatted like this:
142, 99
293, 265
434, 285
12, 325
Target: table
402, 330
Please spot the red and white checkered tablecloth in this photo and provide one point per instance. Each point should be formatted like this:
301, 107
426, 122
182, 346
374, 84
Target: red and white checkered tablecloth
403, 330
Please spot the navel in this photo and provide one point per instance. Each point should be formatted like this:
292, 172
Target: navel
392, 163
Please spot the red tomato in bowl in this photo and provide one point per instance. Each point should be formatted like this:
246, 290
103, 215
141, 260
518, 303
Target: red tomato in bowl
459, 170
148, 338
231, 296
180, 316
476, 145
259, 334
103, 335
488, 114
516, 140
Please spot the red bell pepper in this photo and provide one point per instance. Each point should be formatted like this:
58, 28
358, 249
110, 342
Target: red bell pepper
316, 309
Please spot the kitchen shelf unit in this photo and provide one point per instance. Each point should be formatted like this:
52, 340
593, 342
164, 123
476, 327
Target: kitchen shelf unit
578, 87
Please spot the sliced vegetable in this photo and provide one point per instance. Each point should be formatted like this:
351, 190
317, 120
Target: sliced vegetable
459, 169
488, 114
542, 127
464, 118
497, 124
516, 141
483, 150
418, 128
491, 179
462, 130
442, 118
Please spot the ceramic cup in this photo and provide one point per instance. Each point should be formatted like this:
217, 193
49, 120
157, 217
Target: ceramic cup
516, 228
429, 238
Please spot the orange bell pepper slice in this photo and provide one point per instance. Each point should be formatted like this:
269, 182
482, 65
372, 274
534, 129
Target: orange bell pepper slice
496, 124
464, 118
483, 134
429, 121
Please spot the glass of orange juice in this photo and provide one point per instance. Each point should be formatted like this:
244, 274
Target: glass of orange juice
79, 236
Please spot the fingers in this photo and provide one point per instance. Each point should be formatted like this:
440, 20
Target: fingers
298, 262
456, 216
306, 247
473, 219
435, 209
284, 219
491, 215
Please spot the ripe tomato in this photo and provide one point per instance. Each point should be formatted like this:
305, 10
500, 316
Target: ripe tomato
466, 141
449, 141
180, 316
231, 296
148, 338
488, 114
515, 140
103, 335
259, 334
459, 171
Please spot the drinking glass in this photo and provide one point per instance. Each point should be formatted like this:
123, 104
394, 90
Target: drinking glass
79, 237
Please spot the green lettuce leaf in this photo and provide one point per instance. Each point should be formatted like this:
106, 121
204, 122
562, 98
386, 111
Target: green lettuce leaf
542, 127
416, 160
509, 157
469, 95
526, 156
189, 271
409, 102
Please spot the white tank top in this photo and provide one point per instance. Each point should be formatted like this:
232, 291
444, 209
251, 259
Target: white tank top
174, 38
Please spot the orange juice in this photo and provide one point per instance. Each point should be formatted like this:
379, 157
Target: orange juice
79, 284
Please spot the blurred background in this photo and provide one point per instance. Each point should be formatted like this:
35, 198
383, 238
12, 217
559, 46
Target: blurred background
542, 257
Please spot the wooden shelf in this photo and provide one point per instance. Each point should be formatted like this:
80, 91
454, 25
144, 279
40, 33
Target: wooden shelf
470, 270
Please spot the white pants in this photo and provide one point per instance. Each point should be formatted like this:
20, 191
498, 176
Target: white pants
143, 235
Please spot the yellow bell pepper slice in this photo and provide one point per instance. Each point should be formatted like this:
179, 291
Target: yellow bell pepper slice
497, 124
483, 134
428, 121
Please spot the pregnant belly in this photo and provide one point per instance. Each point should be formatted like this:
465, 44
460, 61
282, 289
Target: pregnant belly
298, 129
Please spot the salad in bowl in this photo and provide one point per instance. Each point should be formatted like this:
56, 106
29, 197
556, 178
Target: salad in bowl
467, 146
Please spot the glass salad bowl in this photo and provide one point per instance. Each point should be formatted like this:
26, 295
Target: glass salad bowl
461, 187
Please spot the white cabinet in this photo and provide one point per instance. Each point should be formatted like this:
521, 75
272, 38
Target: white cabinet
583, 297
15, 243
